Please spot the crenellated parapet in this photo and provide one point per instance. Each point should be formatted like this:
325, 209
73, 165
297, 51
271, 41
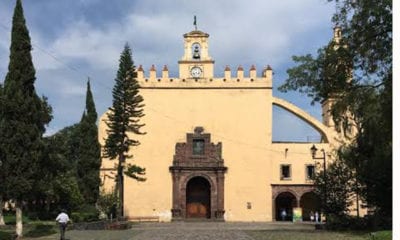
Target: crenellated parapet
238, 78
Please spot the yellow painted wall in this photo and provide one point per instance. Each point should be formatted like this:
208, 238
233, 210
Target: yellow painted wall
238, 114
236, 111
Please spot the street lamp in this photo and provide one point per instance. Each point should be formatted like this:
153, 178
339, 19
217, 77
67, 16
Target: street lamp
314, 150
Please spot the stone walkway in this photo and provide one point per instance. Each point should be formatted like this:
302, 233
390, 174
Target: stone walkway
182, 231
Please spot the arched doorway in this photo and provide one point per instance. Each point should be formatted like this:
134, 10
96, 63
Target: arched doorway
309, 202
198, 198
285, 202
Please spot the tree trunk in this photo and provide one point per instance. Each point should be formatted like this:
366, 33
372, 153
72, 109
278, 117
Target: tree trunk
121, 163
2, 203
18, 218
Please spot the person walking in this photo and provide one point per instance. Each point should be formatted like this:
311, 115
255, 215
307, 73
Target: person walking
316, 216
283, 214
62, 219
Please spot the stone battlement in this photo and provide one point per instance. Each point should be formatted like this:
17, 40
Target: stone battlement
229, 80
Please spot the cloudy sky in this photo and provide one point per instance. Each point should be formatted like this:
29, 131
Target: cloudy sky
76, 39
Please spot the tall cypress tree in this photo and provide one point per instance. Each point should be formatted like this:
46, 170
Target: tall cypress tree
2, 172
88, 165
123, 119
23, 118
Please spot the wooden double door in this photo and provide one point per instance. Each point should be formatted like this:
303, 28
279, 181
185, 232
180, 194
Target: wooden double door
198, 198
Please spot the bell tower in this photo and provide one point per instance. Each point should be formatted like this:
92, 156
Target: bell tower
196, 62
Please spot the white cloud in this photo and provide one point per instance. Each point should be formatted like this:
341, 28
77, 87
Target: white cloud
259, 32
241, 33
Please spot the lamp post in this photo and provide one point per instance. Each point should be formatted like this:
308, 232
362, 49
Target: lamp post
314, 150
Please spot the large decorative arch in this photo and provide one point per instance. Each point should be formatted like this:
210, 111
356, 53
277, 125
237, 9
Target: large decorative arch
199, 174
317, 125
191, 162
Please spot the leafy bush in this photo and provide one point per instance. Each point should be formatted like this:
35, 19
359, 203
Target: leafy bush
345, 222
107, 203
5, 235
41, 229
87, 213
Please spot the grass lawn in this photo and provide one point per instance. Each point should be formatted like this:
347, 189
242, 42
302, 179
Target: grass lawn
30, 228
382, 235
307, 234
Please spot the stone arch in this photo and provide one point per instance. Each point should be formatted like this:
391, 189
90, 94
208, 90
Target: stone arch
196, 50
296, 190
289, 190
317, 125
198, 198
285, 201
197, 174
310, 203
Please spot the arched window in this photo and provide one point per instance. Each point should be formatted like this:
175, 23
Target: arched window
196, 51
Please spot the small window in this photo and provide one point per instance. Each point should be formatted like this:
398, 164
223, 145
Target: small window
198, 146
285, 172
310, 172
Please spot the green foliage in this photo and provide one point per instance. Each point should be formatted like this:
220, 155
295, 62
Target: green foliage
86, 213
55, 183
107, 203
88, 153
322, 76
67, 191
348, 223
127, 109
5, 235
135, 172
367, 28
338, 184
365, 48
40, 230
123, 120
9, 218
381, 235
68, 171
32, 229
23, 116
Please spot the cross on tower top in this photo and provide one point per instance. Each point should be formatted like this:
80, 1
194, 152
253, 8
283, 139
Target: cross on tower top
195, 22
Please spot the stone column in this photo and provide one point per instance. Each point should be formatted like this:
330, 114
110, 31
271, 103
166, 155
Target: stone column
220, 195
176, 209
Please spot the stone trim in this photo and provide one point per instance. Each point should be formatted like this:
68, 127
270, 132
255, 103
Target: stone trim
298, 190
187, 166
191, 88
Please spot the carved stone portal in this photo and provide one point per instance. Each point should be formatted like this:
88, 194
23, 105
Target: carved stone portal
198, 175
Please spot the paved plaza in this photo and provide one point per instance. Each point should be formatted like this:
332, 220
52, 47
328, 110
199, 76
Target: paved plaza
182, 231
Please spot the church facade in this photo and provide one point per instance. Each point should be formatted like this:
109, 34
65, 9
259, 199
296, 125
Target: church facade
208, 151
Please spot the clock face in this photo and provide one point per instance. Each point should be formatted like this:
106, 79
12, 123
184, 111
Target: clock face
196, 72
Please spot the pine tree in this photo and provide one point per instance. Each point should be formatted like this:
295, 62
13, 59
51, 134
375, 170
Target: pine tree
123, 119
2, 173
88, 165
23, 118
